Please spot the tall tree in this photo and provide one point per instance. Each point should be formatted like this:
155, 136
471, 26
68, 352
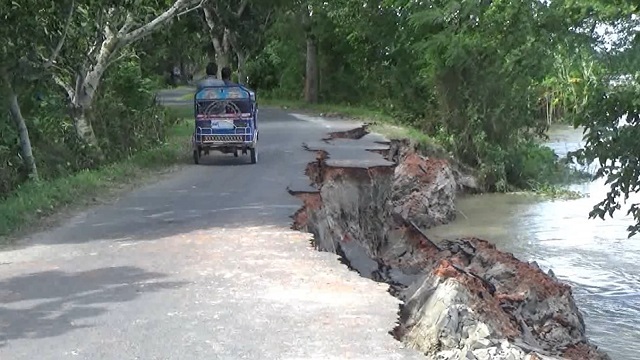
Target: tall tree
222, 18
312, 74
34, 33
238, 29
100, 33
606, 88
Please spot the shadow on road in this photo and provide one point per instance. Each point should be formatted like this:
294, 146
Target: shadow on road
51, 303
215, 158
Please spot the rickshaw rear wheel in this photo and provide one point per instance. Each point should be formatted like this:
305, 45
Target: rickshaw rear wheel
254, 155
196, 156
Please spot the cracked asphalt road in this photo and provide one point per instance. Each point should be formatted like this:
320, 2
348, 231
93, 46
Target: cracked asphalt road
200, 265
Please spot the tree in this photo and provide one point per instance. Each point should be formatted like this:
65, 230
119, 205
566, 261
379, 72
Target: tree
237, 29
311, 82
100, 33
181, 43
221, 20
30, 28
606, 88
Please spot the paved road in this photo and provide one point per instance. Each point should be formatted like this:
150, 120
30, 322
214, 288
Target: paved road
200, 265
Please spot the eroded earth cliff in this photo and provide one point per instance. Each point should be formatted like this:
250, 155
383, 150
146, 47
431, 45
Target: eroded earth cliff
369, 200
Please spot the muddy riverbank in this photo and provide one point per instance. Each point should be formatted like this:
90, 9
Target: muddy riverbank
593, 256
367, 201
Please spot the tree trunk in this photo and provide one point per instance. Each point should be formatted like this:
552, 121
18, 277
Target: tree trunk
25, 142
242, 61
550, 109
222, 60
82, 115
220, 38
311, 78
26, 150
183, 74
81, 99
82, 94
223, 51
81, 103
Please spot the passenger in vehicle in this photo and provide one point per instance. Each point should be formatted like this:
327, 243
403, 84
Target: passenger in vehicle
243, 106
210, 79
226, 76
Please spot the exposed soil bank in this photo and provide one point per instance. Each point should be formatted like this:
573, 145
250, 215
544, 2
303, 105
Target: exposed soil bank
464, 299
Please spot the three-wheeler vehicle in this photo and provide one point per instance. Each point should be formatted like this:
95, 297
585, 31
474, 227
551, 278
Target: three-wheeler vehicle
226, 120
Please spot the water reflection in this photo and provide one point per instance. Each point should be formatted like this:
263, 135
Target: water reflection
594, 256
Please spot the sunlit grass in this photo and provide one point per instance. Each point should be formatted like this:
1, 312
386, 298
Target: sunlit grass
378, 122
328, 109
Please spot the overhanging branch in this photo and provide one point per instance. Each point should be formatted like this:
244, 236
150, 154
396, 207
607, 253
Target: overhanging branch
160, 20
192, 9
64, 85
56, 51
243, 6
128, 24
124, 55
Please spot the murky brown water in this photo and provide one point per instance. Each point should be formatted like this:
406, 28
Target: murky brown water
594, 256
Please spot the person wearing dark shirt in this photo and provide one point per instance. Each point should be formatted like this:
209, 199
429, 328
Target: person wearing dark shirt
210, 79
226, 76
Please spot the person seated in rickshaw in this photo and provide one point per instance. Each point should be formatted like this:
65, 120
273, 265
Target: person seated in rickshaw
210, 79
226, 77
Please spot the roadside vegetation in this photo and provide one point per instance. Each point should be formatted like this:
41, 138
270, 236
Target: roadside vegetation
33, 200
480, 80
542, 172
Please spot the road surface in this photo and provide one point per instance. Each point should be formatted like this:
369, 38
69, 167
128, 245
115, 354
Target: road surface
200, 265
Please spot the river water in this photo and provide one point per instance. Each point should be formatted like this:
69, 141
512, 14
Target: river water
593, 256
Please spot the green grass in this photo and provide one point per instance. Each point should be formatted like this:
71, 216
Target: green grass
186, 97
182, 112
33, 202
379, 122
328, 109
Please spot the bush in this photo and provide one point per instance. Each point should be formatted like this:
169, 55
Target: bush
526, 165
531, 163
127, 119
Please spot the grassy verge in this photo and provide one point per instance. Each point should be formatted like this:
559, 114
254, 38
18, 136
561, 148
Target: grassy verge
380, 123
392, 129
31, 203
186, 97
